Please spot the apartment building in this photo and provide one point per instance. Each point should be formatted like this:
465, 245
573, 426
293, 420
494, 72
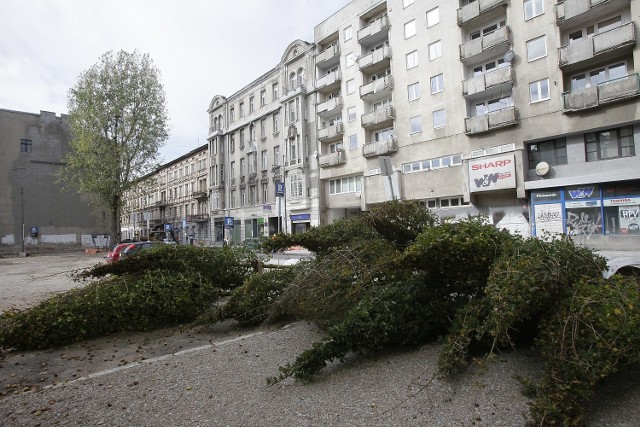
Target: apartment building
263, 174
522, 110
34, 208
172, 202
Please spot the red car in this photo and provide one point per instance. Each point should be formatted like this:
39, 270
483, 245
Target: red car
114, 253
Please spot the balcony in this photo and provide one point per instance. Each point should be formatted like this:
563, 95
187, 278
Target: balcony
375, 32
200, 195
214, 132
379, 118
330, 107
328, 57
498, 80
610, 43
300, 88
377, 89
485, 47
380, 148
470, 12
329, 82
332, 159
374, 61
491, 121
198, 218
331, 133
252, 147
583, 10
604, 93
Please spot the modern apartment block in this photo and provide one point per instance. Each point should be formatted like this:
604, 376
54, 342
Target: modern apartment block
34, 208
171, 202
263, 174
523, 110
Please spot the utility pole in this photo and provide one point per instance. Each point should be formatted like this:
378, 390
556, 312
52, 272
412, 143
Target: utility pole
22, 214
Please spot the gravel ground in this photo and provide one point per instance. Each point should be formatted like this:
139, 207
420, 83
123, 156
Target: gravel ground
218, 378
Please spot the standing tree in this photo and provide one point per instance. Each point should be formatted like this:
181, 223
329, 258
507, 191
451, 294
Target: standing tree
118, 120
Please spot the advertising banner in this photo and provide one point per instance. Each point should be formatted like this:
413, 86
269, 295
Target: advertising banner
494, 173
629, 219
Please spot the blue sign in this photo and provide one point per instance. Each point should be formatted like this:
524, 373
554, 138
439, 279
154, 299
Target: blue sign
301, 217
228, 222
280, 189
168, 227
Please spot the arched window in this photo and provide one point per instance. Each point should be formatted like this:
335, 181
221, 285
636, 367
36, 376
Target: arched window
215, 124
300, 76
293, 80
220, 121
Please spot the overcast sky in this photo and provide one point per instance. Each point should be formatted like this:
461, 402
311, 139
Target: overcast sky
203, 48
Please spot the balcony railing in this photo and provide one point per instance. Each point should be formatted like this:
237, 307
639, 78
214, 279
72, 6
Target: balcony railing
202, 194
381, 117
473, 10
215, 131
375, 31
377, 87
491, 121
332, 159
380, 148
604, 93
331, 133
583, 50
488, 45
495, 79
328, 57
330, 106
330, 80
567, 9
198, 218
378, 58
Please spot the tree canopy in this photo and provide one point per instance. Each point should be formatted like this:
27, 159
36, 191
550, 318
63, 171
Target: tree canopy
119, 120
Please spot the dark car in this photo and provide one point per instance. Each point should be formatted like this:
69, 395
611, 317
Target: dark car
114, 253
134, 248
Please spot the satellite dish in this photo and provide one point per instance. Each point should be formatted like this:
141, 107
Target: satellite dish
542, 168
509, 55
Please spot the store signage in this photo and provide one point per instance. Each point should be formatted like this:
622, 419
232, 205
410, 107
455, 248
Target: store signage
228, 222
581, 193
547, 196
583, 204
487, 174
301, 217
623, 201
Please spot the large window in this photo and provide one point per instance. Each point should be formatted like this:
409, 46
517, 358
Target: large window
352, 184
533, 8
415, 124
413, 91
536, 48
433, 17
599, 75
609, 144
437, 83
431, 164
295, 185
553, 152
410, 29
435, 50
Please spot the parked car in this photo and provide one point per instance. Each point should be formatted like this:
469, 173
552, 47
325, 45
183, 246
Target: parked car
114, 253
134, 248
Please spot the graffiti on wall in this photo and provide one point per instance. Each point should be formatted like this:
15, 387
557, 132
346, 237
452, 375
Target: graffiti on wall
548, 218
584, 222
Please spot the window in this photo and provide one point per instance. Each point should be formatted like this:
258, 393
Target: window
263, 128
232, 114
348, 33
242, 138
433, 17
609, 144
486, 30
413, 91
493, 105
353, 142
415, 124
383, 135
25, 146
263, 97
439, 119
233, 170
274, 91
335, 147
232, 142
539, 91
349, 59
251, 103
292, 111
295, 185
437, 83
435, 50
489, 66
351, 86
410, 29
276, 124
351, 114
431, 164
265, 192
406, 3
533, 8
553, 152
263, 160
352, 184
241, 109
242, 167
597, 76
536, 48
412, 59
